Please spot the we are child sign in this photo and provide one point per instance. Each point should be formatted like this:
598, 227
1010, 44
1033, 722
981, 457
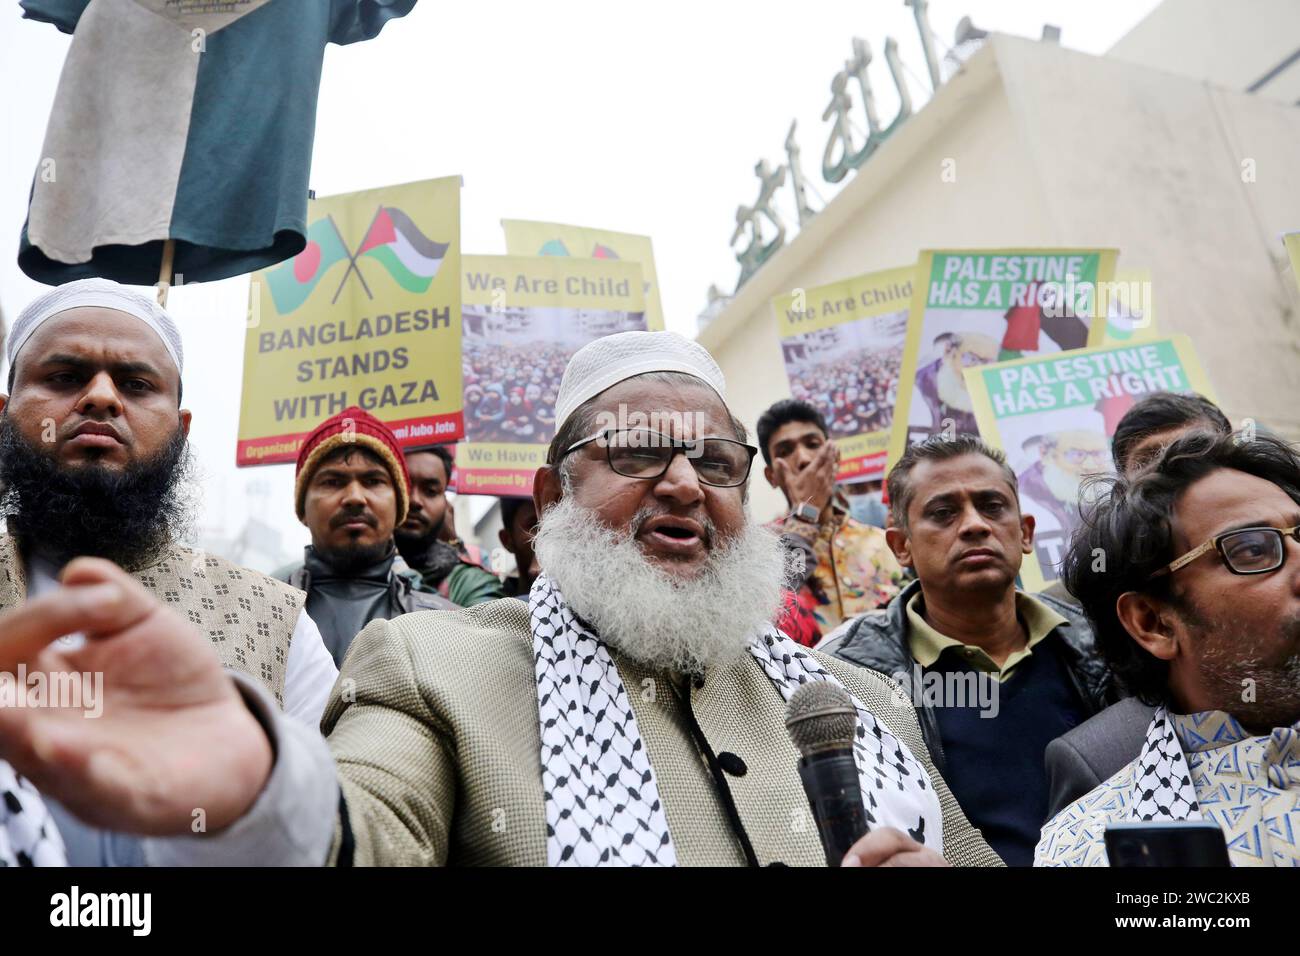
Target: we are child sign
1054, 416
843, 347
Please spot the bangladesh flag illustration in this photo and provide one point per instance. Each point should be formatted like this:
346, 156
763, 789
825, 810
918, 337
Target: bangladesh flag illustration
397, 244
292, 282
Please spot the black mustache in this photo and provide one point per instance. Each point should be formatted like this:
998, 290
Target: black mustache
341, 519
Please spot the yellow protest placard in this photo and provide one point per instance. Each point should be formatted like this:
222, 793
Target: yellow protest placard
843, 348
368, 314
524, 317
1054, 416
973, 307
1292, 242
524, 238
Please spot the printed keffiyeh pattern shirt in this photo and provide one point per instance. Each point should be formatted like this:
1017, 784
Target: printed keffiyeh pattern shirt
1248, 785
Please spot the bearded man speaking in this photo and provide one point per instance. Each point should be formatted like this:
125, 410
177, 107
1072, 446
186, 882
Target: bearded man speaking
630, 714
94, 461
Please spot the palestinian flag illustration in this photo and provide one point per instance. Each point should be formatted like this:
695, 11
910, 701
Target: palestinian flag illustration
556, 247
1024, 323
1113, 409
397, 244
292, 281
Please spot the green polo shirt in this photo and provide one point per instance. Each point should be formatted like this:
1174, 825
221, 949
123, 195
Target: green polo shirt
926, 644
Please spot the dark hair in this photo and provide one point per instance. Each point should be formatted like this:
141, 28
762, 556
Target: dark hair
1127, 535
180, 386
783, 413
1161, 411
442, 454
937, 448
510, 507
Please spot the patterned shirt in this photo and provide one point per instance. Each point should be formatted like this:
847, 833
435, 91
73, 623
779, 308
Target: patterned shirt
1249, 786
855, 572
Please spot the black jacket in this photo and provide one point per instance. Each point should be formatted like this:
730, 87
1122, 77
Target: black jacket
879, 640
343, 604
1095, 751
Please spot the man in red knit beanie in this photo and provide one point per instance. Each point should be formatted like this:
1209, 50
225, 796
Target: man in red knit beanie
351, 489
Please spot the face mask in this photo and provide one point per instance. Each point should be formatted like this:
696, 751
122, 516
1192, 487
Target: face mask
869, 508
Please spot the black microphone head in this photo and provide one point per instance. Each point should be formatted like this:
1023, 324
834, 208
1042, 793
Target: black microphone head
820, 716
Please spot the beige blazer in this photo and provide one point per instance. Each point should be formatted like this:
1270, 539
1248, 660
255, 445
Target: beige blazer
433, 726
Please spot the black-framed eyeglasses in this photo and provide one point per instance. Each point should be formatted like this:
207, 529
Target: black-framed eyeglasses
1244, 551
642, 453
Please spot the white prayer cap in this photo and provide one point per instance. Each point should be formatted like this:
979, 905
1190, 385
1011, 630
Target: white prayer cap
98, 293
607, 361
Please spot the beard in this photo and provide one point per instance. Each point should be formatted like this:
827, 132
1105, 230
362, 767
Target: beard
662, 622
952, 387
129, 516
417, 543
1064, 485
414, 541
351, 558
1242, 676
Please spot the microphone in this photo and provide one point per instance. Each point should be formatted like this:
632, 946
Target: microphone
822, 721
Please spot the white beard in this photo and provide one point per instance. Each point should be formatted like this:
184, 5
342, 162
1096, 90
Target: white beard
952, 388
1062, 484
683, 626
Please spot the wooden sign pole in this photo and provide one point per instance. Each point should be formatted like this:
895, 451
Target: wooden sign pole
165, 272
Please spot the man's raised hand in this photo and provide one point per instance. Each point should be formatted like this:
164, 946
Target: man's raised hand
815, 484
174, 737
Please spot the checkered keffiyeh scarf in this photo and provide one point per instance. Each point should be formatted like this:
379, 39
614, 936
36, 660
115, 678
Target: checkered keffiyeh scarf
28, 836
1162, 781
602, 803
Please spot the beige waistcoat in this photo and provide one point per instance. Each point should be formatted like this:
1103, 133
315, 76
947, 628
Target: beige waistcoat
248, 617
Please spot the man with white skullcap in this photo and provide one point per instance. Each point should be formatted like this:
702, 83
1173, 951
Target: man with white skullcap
94, 460
631, 713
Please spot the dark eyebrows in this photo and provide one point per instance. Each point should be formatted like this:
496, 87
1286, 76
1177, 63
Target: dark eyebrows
1292, 519
943, 498
787, 445
951, 497
334, 471
117, 368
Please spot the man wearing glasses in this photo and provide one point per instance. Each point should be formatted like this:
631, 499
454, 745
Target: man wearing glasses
1079, 760
631, 713
1190, 573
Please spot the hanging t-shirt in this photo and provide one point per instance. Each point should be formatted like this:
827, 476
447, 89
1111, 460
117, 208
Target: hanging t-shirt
190, 120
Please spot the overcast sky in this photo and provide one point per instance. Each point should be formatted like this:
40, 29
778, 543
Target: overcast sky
643, 118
